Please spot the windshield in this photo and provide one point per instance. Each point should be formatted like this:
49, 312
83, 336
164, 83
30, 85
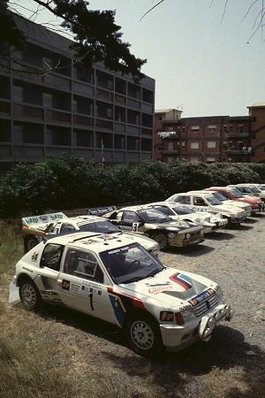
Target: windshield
213, 201
255, 189
245, 189
180, 210
219, 196
153, 215
130, 263
165, 210
236, 193
105, 227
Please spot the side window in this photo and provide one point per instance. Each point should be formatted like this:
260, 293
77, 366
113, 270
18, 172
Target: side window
51, 256
66, 228
129, 217
83, 264
199, 201
185, 200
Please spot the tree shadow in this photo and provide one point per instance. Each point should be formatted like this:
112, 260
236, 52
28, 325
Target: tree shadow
220, 235
174, 371
225, 351
191, 251
240, 227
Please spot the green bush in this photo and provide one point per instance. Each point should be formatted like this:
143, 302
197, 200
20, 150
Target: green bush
70, 182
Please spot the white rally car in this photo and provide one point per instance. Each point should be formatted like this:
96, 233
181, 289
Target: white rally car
116, 280
209, 221
36, 228
205, 201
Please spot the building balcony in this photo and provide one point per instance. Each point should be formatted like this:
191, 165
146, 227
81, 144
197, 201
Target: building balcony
237, 151
237, 135
170, 152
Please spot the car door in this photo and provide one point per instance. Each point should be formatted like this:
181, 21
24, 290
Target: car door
50, 263
83, 285
199, 203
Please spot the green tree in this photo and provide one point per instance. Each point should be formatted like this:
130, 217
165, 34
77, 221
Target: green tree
96, 36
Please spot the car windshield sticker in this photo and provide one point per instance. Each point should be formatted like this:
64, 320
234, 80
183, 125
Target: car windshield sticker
181, 280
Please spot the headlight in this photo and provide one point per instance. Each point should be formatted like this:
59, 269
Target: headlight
187, 236
219, 293
188, 314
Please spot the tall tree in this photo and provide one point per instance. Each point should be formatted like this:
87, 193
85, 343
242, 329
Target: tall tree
96, 36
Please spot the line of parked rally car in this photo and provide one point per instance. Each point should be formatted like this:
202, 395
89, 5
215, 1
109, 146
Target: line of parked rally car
108, 266
181, 220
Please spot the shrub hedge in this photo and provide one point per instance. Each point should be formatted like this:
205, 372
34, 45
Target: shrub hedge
70, 182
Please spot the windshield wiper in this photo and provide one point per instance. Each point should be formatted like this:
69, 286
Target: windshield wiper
153, 273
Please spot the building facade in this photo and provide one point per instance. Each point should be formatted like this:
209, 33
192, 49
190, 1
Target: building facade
204, 139
257, 113
49, 105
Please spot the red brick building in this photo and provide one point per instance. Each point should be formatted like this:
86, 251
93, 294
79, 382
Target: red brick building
208, 139
257, 113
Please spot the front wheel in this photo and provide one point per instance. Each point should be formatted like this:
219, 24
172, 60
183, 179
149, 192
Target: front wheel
29, 295
143, 335
161, 239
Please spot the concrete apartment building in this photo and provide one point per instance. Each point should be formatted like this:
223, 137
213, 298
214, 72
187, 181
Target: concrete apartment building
98, 115
210, 139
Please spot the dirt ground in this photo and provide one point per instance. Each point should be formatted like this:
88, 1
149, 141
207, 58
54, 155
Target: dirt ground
231, 364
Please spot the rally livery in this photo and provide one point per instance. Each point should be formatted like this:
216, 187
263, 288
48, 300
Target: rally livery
117, 280
37, 228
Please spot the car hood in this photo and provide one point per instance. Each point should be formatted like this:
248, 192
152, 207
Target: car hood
148, 243
170, 287
227, 208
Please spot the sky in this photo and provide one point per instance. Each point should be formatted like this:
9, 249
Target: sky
202, 54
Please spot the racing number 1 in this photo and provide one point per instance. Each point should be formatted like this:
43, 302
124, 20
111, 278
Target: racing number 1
91, 300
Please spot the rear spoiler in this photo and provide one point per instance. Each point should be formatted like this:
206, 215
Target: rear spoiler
99, 211
42, 220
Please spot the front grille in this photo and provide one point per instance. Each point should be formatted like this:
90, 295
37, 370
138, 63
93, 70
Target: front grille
203, 307
195, 236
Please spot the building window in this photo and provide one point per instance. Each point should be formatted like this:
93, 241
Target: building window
210, 159
212, 129
195, 129
211, 144
194, 145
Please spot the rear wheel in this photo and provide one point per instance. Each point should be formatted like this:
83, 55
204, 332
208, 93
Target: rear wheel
143, 335
29, 295
29, 243
161, 239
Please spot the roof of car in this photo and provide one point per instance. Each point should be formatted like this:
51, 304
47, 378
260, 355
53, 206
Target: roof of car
76, 219
97, 242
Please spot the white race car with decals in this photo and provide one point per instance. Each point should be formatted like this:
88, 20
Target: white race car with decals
117, 280
144, 220
34, 229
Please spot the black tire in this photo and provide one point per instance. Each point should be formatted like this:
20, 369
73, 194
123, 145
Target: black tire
29, 295
29, 243
143, 335
161, 239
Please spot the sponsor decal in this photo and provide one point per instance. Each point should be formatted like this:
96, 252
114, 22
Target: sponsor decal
66, 285
74, 287
117, 307
181, 280
159, 289
34, 256
201, 297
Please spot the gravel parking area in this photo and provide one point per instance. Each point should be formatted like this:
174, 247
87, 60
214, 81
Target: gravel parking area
234, 258
231, 364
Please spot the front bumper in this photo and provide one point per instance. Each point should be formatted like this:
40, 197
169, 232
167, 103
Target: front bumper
177, 337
